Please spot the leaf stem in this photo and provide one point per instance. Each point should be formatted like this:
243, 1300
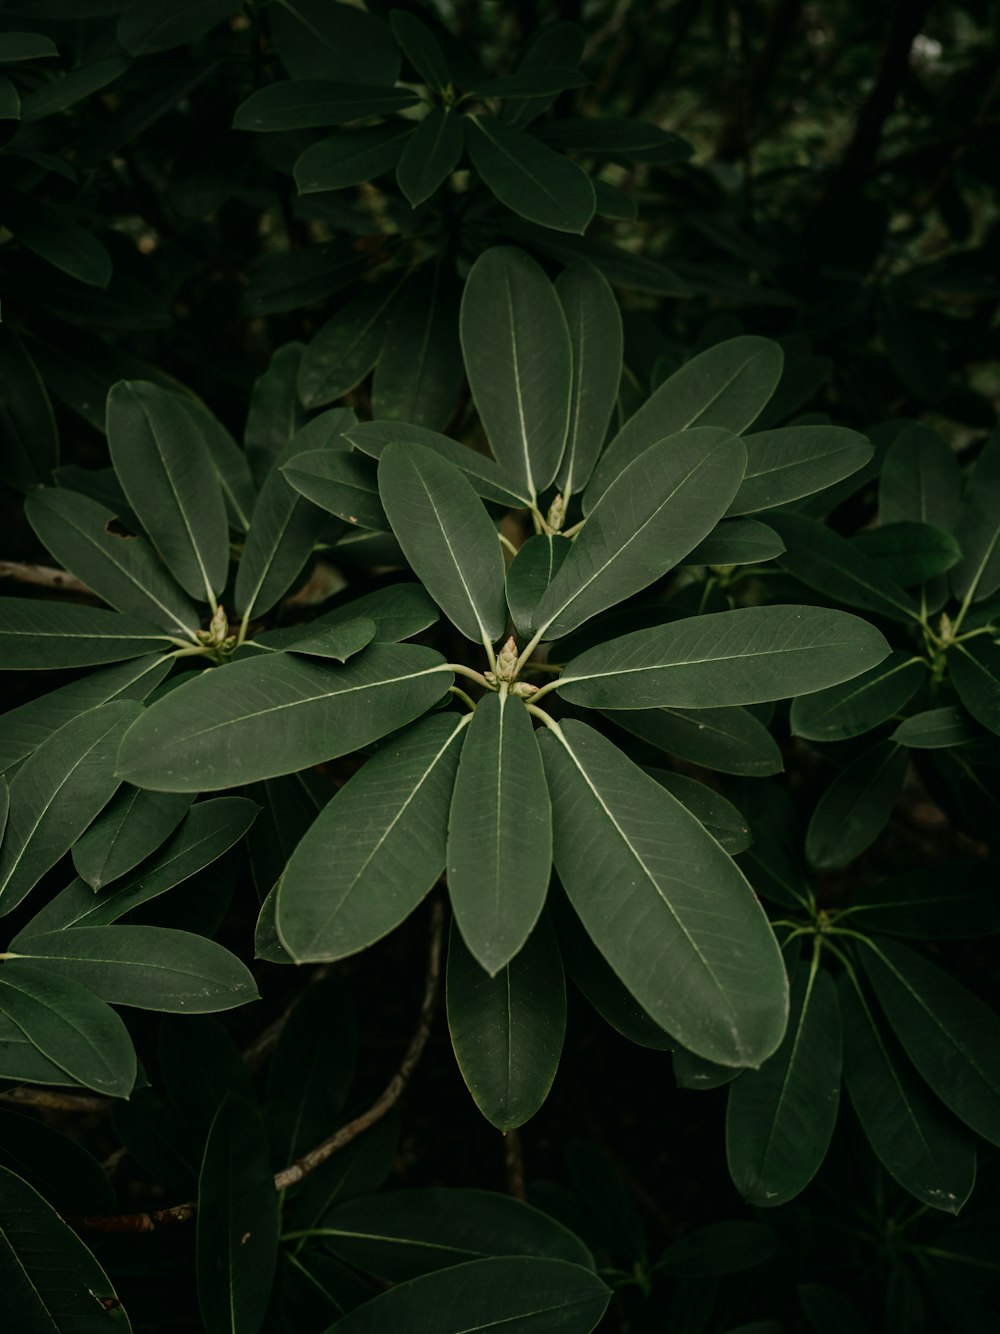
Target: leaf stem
461, 670
507, 543
466, 699
546, 718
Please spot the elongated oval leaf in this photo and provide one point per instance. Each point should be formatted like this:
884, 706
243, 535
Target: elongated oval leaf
737, 542
910, 1133
951, 1036
52, 1282
499, 833
70, 1026
795, 461
974, 668
936, 729
518, 358
237, 1238
595, 330
529, 575
147, 27
978, 574
38, 635
920, 480
57, 792
858, 705
523, 1293
855, 808
23, 729
347, 346
431, 154
133, 825
375, 850
343, 484
824, 560
302, 104
725, 386
398, 611
652, 515
403, 1233
663, 903
730, 741
719, 816
166, 472
418, 374
488, 481
348, 157
447, 537
780, 1118
275, 714
953, 900
122, 569
317, 39
745, 656
150, 967
528, 177
508, 1030
210, 829
28, 433
275, 413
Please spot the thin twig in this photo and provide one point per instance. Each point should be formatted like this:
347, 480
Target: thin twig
44, 576
513, 1160
54, 1101
290, 1176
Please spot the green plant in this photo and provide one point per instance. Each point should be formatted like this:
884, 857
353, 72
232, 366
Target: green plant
498, 539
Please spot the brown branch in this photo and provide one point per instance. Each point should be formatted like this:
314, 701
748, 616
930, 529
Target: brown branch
43, 576
54, 1101
513, 1161
290, 1176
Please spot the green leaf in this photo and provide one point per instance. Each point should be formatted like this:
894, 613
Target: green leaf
745, 656
398, 610
231, 465
737, 542
303, 104
858, 705
166, 472
316, 39
796, 461
29, 439
725, 386
953, 900
935, 729
122, 569
920, 480
561, 43
683, 931
23, 729
730, 741
974, 669
951, 1036
150, 967
281, 281
719, 817
421, 48
376, 849
780, 1118
499, 833
720, 1248
522, 1293
335, 641
595, 331
418, 375
518, 357
508, 1029
57, 792
431, 154
529, 575
10, 99
909, 553
276, 714
359, 1168
346, 348
311, 1071
66, 90
23, 1063
401, 1234
133, 825
275, 414
284, 526
52, 234
17, 46
910, 1133
209, 830
694, 1072
832, 565
70, 1178
350, 157
661, 506
53, 1284
488, 481
237, 1237
855, 808
38, 635
146, 27
529, 178
447, 537
69, 1026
